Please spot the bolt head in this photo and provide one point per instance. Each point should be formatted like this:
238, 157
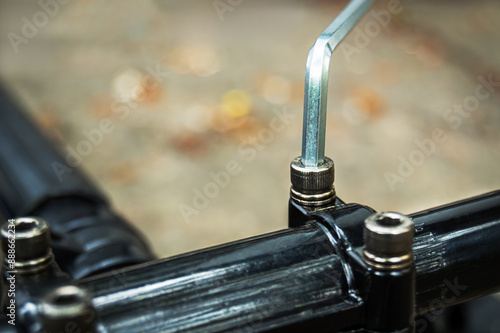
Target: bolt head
388, 239
31, 238
67, 304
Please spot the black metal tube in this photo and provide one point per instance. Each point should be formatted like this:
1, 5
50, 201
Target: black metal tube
87, 236
293, 280
457, 249
27, 160
290, 280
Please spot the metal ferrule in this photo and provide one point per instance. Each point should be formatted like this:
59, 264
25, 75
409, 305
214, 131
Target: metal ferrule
388, 240
312, 186
67, 306
29, 239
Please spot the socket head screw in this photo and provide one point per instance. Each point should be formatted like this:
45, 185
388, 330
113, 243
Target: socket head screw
67, 304
30, 238
388, 240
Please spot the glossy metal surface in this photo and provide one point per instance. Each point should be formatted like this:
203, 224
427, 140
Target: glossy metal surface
29, 239
456, 248
457, 251
290, 281
310, 277
388, 238
390, 300
67, 308
389, 286
316, 83
35, 180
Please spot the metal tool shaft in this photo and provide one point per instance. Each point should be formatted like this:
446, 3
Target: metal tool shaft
316, 83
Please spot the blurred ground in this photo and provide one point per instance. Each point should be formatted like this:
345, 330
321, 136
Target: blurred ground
220, 76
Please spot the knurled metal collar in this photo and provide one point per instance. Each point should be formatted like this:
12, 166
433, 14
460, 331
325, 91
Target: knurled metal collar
312, 186
388, 240
26, 244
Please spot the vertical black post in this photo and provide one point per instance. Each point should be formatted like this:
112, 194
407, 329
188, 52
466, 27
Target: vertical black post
390, 300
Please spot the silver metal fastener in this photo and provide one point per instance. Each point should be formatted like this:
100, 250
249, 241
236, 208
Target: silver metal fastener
29, 237
388, 240
68, 305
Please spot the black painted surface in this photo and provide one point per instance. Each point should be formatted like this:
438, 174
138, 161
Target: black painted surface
87, 236
288, 281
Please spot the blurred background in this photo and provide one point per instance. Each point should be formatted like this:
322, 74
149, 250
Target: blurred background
190, 91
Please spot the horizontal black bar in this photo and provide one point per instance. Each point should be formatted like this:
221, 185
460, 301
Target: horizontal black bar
292, 280
259, 284
457, 249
